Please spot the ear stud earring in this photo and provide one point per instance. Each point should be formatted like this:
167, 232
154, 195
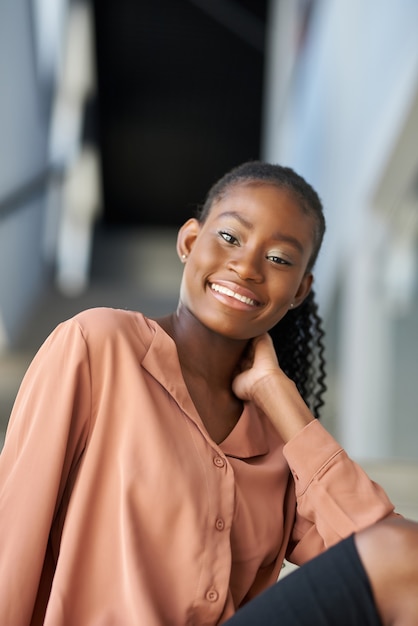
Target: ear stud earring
183, 257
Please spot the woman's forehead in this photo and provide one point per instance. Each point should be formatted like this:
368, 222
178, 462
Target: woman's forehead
241, 198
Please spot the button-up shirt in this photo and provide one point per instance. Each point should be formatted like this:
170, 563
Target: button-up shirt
117, 508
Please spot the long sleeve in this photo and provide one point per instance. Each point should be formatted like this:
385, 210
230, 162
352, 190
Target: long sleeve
335, 497
44, 441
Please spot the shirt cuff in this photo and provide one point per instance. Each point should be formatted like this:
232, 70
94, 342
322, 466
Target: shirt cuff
308, 452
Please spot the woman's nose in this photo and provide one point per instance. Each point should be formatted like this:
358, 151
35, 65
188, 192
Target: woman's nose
247, 264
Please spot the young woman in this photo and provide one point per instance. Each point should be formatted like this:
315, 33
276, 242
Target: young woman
157, 472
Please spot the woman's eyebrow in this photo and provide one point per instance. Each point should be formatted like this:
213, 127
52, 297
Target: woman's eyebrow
238, 217
279, 237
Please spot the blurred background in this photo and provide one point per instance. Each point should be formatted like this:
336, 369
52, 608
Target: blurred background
116, 116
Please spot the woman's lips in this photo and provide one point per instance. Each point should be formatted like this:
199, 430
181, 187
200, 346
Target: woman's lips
234, 292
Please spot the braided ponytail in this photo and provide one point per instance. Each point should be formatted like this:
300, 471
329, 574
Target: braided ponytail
298, 341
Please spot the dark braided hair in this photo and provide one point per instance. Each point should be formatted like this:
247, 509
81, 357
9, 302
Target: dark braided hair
298, 340
298, 336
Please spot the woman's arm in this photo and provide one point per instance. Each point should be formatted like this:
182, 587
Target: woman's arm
334, 495
45, 439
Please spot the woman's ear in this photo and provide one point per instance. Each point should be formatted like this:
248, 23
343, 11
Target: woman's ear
186, 237
303, 289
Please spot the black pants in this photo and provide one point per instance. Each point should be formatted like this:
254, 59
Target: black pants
331, 590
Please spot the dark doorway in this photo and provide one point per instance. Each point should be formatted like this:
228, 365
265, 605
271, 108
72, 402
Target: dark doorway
179, 101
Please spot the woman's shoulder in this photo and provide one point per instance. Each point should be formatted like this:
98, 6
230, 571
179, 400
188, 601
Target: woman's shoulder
105, 324
106, 316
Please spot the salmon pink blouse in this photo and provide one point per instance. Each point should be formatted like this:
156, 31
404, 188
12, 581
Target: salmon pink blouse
117, 508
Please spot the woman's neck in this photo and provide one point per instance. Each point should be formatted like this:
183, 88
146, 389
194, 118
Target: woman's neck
203, 353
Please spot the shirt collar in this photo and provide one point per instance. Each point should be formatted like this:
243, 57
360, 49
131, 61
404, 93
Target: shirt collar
247, 439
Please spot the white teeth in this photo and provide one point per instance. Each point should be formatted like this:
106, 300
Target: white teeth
232, 294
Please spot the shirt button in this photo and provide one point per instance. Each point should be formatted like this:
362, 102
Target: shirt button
218, 461
219, 524
212, 595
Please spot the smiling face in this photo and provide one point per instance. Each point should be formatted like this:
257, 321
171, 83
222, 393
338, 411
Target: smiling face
247, 262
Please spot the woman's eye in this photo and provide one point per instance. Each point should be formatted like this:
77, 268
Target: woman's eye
278, 260
228, 237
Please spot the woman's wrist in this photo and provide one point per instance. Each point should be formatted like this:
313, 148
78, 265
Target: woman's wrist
278, 397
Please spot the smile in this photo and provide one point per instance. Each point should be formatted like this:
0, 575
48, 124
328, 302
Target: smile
233, 294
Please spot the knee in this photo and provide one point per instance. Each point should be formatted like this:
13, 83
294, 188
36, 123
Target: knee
389, 552
393, 540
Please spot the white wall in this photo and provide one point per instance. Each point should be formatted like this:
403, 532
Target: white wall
336, 110
23, 153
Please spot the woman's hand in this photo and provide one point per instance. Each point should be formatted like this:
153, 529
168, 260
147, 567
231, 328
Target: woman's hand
259, 361
262, 381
